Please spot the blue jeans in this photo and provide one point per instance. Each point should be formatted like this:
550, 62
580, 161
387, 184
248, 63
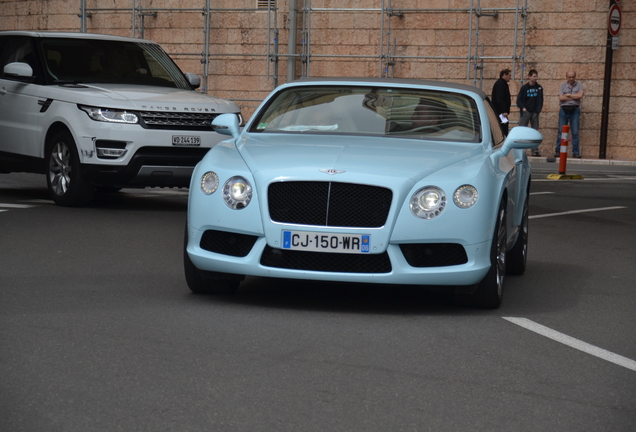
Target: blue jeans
573, 119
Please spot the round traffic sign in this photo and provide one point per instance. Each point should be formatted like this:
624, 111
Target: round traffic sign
614, 24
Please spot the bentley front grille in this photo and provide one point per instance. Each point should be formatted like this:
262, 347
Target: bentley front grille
330, 204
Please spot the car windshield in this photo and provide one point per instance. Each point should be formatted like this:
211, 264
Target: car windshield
112, 62
357, 110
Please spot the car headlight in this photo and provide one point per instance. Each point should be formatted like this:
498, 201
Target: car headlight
465, 196
428, 202
237, 193
209, 183
110, 115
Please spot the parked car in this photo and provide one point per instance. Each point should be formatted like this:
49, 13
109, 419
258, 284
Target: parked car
363, 180
100, 112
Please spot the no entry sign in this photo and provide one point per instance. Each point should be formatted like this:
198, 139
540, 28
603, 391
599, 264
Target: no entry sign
614, 24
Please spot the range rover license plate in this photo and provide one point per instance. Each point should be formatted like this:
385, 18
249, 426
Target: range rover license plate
322, 242
186, 140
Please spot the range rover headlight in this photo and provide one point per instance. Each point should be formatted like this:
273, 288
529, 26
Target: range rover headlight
237, 193
465, 196
110, 115
428, 202
209, 182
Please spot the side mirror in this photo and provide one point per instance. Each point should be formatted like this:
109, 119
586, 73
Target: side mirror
227, 124
193, 79
523, 138
18, 70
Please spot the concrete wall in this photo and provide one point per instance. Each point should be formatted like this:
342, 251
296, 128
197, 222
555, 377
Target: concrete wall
429, 40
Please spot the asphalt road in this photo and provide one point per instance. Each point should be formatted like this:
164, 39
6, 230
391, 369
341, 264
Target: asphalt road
99, 332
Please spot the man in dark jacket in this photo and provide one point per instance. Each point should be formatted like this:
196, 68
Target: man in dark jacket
501, 99
530, 101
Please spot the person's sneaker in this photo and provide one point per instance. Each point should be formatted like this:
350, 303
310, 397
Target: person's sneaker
557, 154
577, 155
536, 153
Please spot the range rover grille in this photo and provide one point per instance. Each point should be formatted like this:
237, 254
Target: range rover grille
177, 120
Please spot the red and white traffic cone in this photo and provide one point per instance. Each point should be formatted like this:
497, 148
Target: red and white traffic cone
563, 155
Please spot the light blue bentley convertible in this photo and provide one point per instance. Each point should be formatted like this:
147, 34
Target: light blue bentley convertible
363, 180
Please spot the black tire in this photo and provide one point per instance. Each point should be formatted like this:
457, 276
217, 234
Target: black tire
518, 255
64, 177
205, 282
489, 291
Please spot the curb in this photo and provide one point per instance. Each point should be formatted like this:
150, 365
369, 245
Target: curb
574, 161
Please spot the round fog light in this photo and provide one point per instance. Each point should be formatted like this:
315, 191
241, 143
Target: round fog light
465, 196
209, 182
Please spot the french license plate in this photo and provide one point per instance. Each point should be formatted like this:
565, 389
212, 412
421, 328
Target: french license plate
186, 140
321, 242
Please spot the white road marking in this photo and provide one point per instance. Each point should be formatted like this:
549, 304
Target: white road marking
7, 205
541, 193
610, 178
618, 178
576, 211
573, 343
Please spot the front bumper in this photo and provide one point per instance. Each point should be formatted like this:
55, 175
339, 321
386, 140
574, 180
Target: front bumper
149, 166
251, 255
122, 155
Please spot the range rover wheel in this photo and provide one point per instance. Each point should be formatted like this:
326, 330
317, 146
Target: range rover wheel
66, 183
206, 282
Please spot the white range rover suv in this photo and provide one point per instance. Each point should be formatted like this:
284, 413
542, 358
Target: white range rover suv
97, 112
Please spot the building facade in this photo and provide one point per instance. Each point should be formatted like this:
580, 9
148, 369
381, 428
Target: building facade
244, 48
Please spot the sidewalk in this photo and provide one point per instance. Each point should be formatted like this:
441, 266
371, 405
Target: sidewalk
592, 168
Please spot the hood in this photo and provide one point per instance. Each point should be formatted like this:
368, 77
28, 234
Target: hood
304, 156
136, 97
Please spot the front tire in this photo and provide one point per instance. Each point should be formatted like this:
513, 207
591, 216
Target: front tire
206, 282
489, 292
518, 255
64, 178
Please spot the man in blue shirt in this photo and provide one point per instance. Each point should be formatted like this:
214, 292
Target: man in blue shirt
570, 95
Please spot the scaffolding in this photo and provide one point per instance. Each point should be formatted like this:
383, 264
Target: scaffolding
386, 56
